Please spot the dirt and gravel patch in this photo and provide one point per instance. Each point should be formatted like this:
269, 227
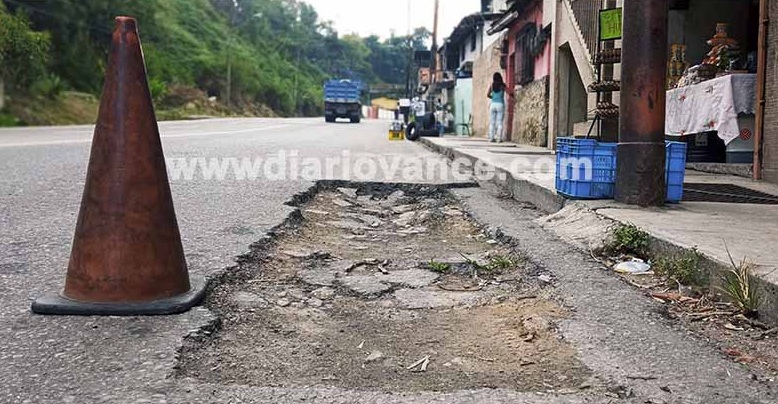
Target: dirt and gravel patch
368, 283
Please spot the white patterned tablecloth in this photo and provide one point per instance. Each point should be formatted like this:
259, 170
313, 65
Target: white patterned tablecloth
713, 105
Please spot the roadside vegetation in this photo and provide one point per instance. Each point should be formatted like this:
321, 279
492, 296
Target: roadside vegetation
680, 279
279, 51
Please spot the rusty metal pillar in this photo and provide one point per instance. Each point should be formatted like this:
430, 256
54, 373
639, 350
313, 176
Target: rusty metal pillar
641, 151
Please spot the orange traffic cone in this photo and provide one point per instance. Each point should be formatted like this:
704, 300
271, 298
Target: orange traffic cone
127, 257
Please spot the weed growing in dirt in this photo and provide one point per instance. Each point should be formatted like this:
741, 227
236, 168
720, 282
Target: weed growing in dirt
739, 286
500, 262
683, 268
439, 267
628, 239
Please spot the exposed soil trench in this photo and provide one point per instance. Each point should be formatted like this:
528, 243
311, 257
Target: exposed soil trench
350, 299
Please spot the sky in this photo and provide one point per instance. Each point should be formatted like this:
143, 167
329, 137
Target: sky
381, 17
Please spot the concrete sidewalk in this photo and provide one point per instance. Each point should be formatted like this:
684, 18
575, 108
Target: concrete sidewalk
747, 230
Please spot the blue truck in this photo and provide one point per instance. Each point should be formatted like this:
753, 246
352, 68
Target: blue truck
342, 100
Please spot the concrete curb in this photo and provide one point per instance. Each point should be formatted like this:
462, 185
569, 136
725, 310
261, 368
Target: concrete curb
548, 201
520, 189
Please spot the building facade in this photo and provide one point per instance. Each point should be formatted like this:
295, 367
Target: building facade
527, 60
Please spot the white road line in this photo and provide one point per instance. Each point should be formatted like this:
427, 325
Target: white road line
180, 135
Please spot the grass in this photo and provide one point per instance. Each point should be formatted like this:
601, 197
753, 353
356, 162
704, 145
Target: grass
738, 285
500, 262
439, 267
683, 268
69, 108
496, 264
628, 239
8, 120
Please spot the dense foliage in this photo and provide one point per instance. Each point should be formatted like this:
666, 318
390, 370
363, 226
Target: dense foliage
278, 51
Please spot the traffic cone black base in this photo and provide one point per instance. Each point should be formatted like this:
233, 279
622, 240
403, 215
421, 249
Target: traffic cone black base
61, 305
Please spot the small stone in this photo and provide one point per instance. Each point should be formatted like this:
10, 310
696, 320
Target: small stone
317, 277
314, 302
297, 294
492, 242
248, 300
395, 196
349, 192
374, 356
424, 216
317, 212
297, 305
342, 203
324, 293
545, 278
403, 209
452, 212
297, 254
405, 219
283, 302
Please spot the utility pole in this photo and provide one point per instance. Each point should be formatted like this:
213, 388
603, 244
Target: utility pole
434, 52
410, 56
640, 176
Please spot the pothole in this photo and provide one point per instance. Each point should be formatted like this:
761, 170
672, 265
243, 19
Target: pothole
371, 281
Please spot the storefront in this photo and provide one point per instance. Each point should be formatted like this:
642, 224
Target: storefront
712, 81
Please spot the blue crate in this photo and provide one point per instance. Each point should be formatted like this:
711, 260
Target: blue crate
571, 179
602, 183
675, 169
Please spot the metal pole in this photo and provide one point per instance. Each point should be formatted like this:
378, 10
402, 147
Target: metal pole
761, 78
608, 128
640, 178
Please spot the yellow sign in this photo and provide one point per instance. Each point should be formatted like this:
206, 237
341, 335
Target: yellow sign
610, 24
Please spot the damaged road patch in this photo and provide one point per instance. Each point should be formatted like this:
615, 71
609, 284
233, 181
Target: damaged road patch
353, 306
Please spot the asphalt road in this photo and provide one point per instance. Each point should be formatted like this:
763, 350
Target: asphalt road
77, 359
619, 334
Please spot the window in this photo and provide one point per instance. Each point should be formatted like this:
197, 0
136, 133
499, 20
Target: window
525, 54
473, 42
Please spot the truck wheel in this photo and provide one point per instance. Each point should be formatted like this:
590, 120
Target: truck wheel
329, 119
355, 120
412, 132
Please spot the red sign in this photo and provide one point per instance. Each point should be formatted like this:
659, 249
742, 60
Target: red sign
745, 134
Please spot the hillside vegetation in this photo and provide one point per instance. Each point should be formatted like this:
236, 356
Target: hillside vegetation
53, 52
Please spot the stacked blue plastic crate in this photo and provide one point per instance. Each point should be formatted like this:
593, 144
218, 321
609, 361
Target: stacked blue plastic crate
571, 167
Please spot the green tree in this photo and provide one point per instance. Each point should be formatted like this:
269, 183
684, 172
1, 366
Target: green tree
23, 52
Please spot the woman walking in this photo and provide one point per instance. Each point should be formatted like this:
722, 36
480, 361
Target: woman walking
497, 108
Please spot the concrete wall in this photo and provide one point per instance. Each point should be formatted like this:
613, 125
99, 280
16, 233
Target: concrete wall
530, 119
770, 145
463, 102
567, 38
483, 69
